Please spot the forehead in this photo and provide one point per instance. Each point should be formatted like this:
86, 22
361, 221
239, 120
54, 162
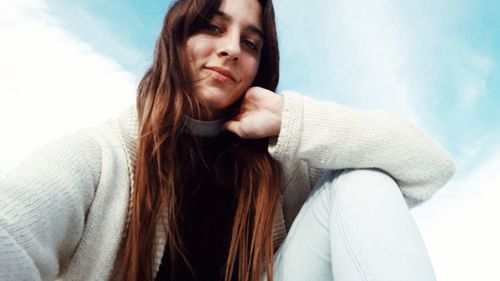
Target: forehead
244, 12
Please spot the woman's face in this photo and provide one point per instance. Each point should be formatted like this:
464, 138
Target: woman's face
224, 55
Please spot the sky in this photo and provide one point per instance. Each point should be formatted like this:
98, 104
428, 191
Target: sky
69, 64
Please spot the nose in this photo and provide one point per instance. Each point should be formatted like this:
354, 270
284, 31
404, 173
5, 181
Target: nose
229, 46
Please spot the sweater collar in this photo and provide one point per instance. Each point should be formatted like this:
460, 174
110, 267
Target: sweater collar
128, 123
203, 128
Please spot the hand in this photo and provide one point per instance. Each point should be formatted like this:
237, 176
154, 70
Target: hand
259, 115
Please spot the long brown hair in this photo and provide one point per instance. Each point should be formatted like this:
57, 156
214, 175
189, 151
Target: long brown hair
165, 94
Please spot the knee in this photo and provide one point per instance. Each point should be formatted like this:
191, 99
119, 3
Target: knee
370, 183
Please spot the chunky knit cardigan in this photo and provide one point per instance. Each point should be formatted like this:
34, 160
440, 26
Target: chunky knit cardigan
63, 211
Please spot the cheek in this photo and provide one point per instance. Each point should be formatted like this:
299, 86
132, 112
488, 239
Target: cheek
197, 49
250, 68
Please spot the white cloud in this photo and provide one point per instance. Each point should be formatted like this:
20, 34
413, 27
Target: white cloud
474, 72
364, 52
405, 57
51, 83
102, 32
461, 229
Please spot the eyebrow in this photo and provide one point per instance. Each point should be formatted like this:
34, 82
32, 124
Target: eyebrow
251, 28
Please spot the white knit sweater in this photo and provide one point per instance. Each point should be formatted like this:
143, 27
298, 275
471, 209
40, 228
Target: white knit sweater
63, 210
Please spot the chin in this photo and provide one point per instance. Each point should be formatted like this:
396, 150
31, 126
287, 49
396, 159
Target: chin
216, 100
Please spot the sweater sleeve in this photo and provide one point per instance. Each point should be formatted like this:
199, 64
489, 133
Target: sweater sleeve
326, 135
43, 203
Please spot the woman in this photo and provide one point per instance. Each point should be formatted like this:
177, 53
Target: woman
205, 176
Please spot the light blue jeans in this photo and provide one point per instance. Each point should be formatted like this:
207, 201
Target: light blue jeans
354, 226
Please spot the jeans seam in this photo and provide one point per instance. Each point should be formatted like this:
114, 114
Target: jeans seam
344, 238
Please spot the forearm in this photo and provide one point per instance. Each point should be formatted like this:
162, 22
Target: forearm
43, 203
330, 136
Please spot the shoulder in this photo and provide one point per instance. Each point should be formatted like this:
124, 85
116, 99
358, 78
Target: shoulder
88, 149
115, 133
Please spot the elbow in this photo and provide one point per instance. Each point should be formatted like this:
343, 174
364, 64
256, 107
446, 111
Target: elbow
443, 168
432, 153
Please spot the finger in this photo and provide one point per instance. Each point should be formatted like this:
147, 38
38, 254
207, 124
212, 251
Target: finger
233, 126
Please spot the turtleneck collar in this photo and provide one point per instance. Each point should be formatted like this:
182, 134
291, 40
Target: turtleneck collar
202, 128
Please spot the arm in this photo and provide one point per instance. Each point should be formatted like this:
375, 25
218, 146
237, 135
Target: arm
43, 203
330, 136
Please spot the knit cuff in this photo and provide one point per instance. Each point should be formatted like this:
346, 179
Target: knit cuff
287, 142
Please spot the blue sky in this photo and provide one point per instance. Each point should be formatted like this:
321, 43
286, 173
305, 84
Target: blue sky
440, 55
437, 63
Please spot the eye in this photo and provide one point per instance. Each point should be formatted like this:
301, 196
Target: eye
250, 45
212, 28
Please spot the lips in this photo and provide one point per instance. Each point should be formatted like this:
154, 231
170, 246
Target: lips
224, 72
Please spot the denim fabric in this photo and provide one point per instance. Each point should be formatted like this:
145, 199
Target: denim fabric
355, 225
